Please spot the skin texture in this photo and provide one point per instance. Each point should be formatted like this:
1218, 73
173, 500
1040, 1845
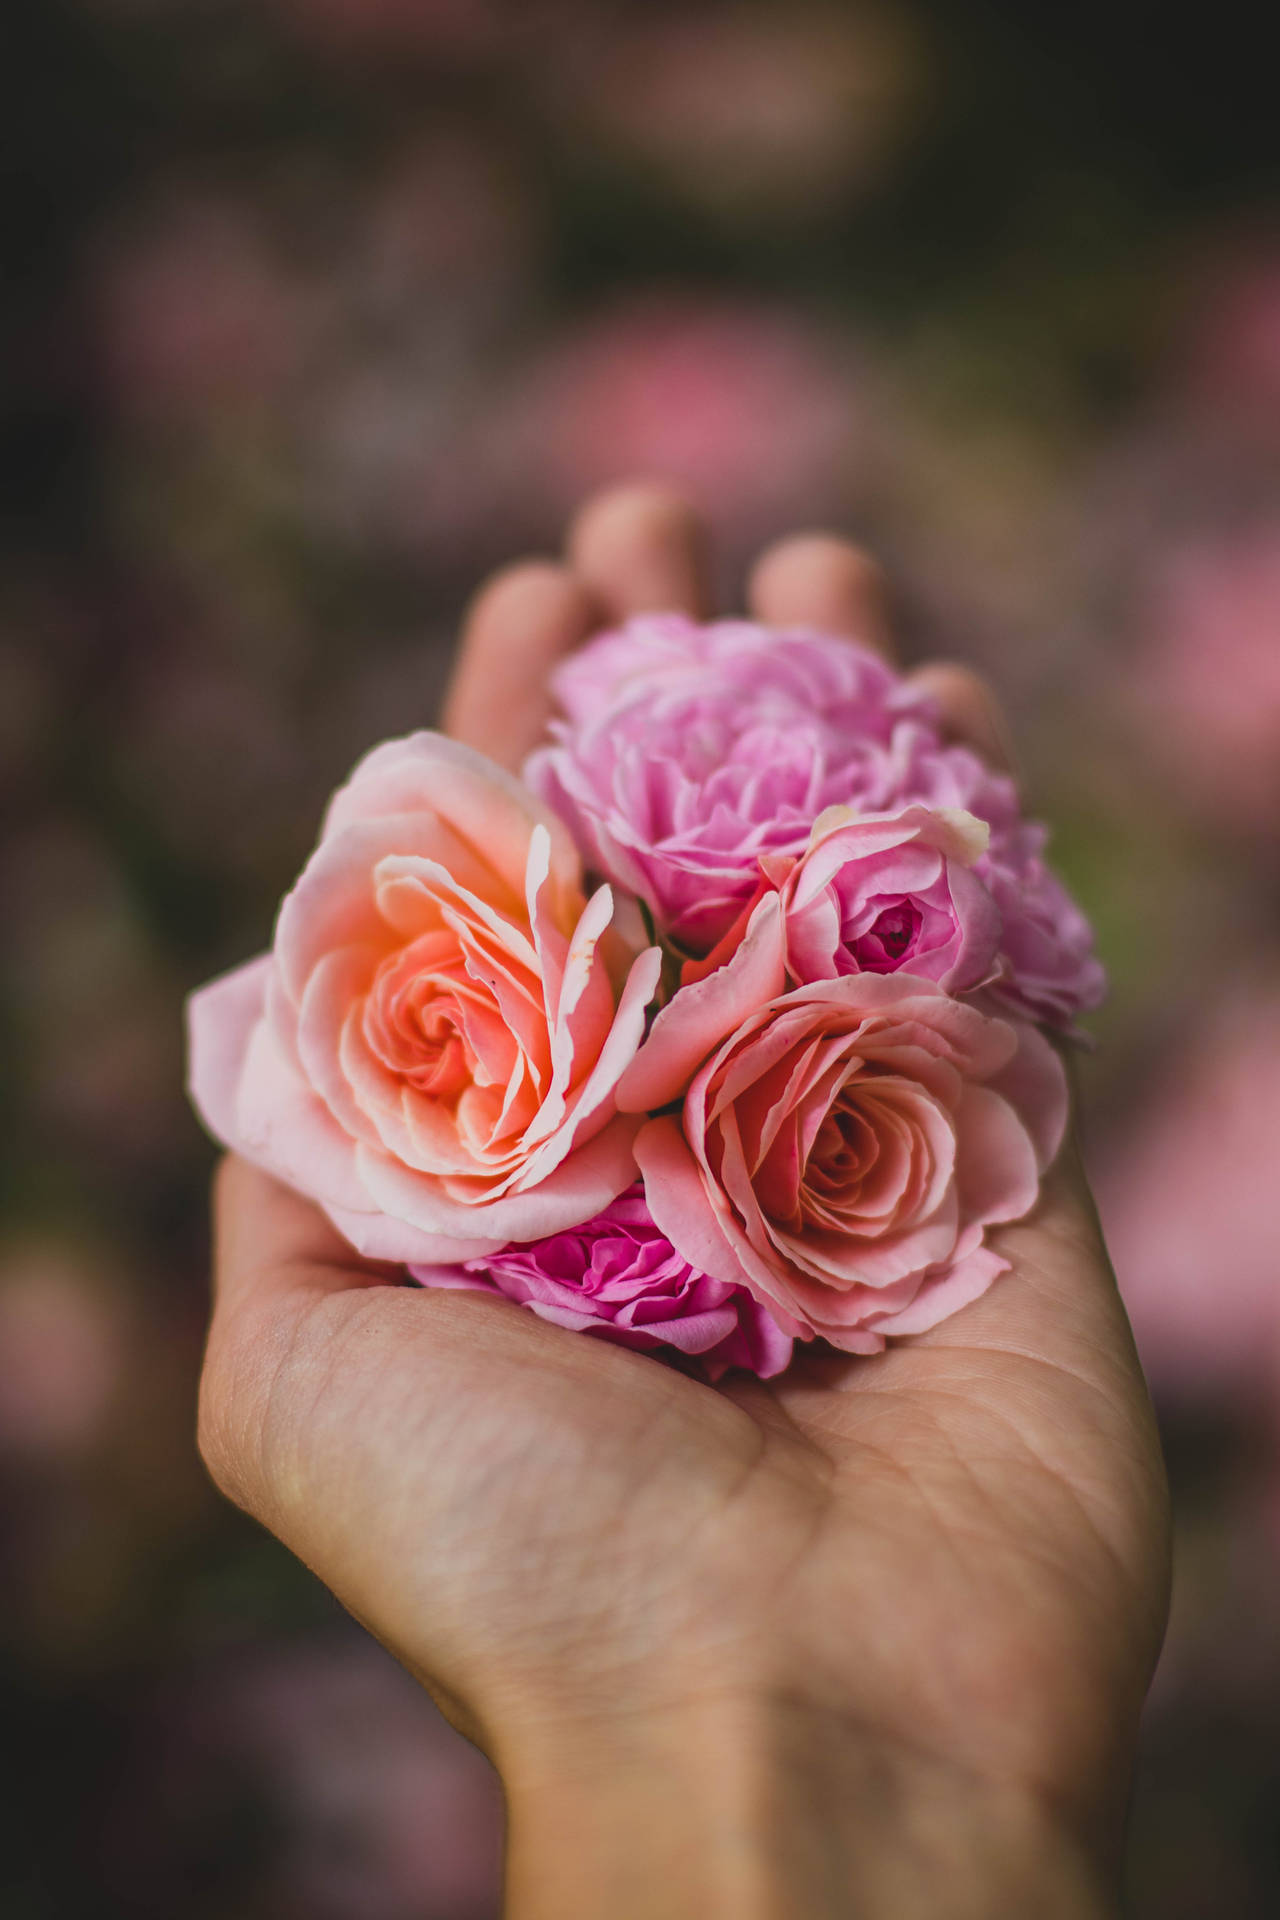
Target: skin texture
872, 1638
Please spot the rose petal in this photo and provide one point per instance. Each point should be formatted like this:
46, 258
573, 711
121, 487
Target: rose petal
285, 1127
221, 1018
937, 1299
699, 1017
580, 1186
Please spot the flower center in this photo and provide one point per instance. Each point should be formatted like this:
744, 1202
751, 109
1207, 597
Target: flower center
844, 1148
892, 935
412, 1022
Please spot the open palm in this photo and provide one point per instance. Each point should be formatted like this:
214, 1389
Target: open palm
960, 1544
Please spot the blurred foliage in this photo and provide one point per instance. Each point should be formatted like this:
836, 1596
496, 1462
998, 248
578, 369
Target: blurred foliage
317, 309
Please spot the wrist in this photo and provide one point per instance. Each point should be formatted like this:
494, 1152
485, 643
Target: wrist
771, 1810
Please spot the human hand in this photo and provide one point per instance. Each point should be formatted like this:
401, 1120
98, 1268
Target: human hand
871, 1637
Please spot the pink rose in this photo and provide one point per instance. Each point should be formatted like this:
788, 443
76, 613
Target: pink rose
666, 657
1049, 970
618, 1277
890, 894
691, 755
844, 1148
692, 751
431, 1048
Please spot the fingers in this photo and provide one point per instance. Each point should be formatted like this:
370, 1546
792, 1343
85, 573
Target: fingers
276, 1257
632, 550
816, 580
520, 624
270, 1243
642, 549
970, 711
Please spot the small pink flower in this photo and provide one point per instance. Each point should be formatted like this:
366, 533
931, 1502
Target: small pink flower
844, 1149
890, 894
431, 1048
618, 1277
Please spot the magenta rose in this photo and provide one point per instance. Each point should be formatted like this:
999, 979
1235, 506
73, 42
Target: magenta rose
690, 755
431, 1048
691, 752
843, 1147
618, 1277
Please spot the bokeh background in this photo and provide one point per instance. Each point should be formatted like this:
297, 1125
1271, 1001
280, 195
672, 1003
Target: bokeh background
313, 311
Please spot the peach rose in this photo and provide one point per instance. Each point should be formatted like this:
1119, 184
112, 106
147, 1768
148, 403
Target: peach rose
843, 1150
432, 1046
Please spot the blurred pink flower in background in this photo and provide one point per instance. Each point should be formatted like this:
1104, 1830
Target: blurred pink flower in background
206, 735
99, 1002
1191, 1207
389, 1814
1230, 355
375, 1809
1207, 672
61, 1349
748, 113
197, 309
399, 442
327, 357
448, 212
743, 406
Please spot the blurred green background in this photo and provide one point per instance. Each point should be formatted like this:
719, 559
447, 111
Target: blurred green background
313, 311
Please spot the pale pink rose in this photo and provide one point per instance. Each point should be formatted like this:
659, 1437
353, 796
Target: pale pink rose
847, 1144
431, 1048
691, 751
690, 754
618, 1277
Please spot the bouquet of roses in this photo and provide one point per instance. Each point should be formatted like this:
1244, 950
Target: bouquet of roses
720, 1031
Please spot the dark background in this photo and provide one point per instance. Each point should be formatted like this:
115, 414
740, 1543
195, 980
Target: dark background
313, 311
